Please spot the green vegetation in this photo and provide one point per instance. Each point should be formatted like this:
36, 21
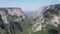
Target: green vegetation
24, 27
17, 27
55, 12
46, 29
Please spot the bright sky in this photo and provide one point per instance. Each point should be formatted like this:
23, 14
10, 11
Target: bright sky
27, 4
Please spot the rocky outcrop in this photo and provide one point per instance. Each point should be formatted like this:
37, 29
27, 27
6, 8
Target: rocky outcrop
11, 15
14, 21
5, 12
47, 15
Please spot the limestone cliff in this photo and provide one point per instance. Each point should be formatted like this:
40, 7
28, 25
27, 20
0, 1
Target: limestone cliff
8, 16
47, 15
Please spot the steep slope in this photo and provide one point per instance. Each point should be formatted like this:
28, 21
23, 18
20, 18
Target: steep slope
13, 21
46, 15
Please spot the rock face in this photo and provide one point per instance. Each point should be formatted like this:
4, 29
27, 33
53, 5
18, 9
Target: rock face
47, 15
8, 16
14, 21
5, 12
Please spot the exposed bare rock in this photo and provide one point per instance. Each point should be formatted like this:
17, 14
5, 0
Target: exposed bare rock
5, 12
10, 15
47, 15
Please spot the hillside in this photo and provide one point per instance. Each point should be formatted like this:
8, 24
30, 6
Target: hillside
13, 21
45, 20
46, 16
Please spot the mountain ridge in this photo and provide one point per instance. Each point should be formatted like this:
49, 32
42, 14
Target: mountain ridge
48, 14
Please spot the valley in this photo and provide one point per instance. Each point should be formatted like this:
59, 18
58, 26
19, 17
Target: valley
45, 20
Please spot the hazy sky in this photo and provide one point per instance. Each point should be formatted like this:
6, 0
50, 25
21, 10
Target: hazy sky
27, 4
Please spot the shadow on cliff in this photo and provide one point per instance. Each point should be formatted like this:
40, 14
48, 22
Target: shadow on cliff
17, 26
